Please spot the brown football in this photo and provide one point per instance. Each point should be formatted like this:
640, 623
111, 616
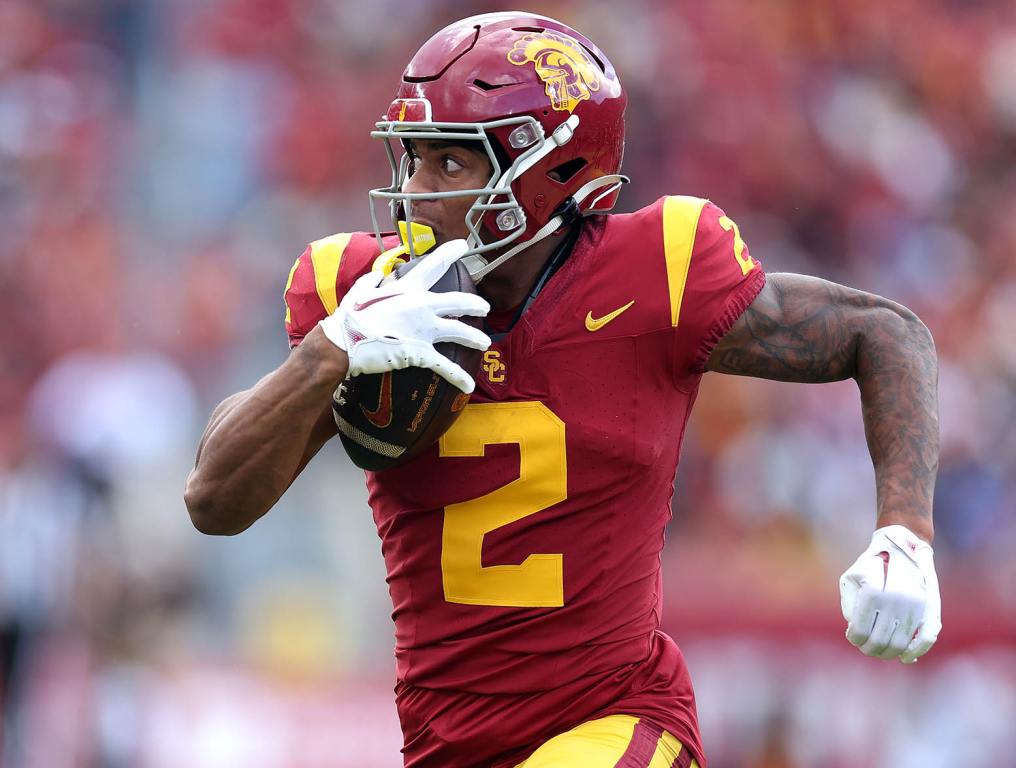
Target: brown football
386, 419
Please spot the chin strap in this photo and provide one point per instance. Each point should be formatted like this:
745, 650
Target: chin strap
478, 267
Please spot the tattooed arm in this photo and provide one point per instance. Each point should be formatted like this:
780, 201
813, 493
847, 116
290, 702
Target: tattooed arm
804, 329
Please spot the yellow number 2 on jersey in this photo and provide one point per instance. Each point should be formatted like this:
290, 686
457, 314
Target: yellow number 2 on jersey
747, 265
543, 481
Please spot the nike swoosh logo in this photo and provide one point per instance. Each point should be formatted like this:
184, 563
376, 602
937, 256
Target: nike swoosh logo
364, 304
596, 323
381, 416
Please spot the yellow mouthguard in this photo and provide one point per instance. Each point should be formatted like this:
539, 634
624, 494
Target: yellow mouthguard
423, 240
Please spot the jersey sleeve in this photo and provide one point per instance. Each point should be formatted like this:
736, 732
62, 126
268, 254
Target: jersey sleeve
304, 308
720, 278
320, 278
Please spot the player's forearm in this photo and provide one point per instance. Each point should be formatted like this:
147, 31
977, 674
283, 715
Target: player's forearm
257, 441
897, 373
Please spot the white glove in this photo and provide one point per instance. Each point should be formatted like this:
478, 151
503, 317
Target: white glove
890, 598
384, 327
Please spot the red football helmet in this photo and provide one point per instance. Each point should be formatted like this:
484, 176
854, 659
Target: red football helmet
545, 104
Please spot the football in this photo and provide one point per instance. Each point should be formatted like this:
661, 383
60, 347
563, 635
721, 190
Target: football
386, 419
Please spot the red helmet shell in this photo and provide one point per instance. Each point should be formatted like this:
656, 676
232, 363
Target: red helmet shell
500, 65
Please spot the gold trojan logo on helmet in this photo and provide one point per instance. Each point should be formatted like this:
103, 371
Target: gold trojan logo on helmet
566, 69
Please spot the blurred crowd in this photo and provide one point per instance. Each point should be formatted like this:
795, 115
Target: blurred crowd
162, 163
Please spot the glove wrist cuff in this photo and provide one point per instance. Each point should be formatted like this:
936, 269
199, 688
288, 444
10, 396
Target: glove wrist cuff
335, 331
901, 537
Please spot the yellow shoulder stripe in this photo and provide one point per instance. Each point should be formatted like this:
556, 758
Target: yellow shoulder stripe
289, 284
326, 255
680, 222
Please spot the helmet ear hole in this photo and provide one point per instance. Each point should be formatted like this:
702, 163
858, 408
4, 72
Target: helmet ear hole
564, 172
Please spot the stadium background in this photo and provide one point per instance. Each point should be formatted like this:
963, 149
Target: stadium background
162, 163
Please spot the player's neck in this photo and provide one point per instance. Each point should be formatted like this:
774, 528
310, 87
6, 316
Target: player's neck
509, 284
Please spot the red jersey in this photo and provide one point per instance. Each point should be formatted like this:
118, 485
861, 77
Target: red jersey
523, 550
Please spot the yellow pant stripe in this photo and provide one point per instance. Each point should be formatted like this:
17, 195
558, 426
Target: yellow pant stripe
680, 222
326, 255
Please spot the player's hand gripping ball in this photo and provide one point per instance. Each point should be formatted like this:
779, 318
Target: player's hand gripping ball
411, 363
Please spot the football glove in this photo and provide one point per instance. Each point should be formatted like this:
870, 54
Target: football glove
384, 325
890, 599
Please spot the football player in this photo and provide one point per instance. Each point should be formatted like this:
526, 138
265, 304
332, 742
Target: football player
523, 550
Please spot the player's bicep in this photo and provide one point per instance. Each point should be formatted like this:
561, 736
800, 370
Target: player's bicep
799, 328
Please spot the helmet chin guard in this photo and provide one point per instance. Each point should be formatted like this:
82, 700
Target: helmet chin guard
540, 100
